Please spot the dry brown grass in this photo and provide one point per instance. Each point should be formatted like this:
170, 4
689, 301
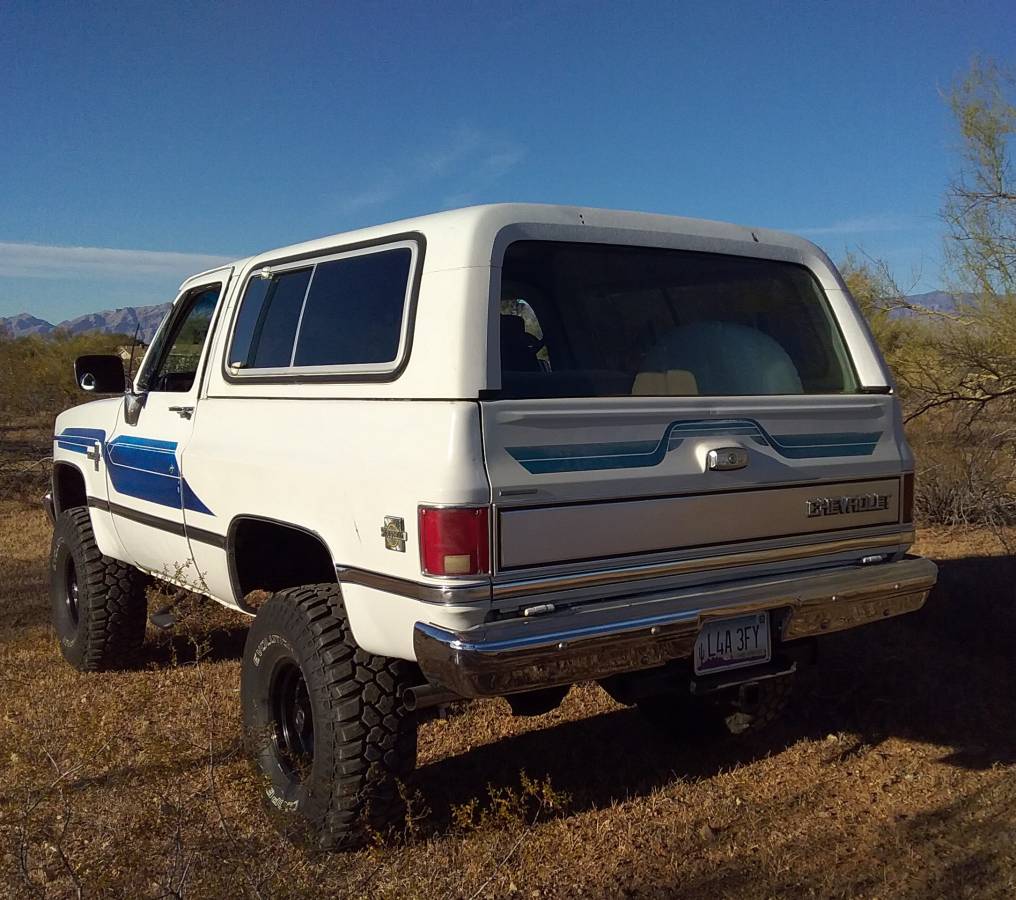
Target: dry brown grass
893, 776
25, 456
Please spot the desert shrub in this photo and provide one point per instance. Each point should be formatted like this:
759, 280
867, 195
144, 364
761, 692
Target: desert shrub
37, 373
36, 383
966, 484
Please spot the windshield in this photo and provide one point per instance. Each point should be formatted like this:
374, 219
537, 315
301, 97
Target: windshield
597, 320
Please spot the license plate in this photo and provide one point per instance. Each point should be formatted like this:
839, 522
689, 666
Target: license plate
732, 643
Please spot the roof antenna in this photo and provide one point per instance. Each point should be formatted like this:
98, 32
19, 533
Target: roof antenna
134, 344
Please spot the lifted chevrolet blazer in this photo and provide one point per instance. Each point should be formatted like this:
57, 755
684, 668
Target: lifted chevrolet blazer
491, 452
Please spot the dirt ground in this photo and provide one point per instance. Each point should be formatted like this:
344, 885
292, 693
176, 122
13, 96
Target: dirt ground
894, 774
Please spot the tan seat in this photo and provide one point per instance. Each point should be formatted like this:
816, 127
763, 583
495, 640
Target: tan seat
672, 383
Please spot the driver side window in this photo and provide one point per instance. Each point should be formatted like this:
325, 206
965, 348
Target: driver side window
179, 350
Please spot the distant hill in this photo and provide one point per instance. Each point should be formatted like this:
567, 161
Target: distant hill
109, 321
23, 325
939, 301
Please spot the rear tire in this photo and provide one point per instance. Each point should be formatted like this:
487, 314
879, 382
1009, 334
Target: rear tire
325, 721
98, 603
732, 713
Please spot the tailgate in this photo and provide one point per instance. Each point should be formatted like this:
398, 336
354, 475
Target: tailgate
602, 478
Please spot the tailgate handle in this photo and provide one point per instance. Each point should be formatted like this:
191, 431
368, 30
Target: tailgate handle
723, 459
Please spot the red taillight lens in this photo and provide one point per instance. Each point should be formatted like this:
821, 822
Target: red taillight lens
907, 505
455, 540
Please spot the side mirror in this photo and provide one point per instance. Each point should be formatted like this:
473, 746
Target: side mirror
100, 374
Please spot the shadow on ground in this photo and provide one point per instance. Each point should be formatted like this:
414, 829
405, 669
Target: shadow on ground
945, 676
214, 645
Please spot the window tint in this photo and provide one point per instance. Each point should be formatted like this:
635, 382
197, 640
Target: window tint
588, 320
351, 315
268, 328
354, 310
180, 351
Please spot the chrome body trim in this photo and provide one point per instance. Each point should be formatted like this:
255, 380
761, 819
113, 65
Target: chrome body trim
455, 593
594, 641
450, 594
626, 574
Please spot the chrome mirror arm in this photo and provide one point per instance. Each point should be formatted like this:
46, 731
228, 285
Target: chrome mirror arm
133, 403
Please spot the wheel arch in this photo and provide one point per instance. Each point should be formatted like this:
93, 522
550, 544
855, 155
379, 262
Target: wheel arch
69, 487
255, 545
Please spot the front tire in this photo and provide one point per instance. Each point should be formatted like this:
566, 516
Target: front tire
325, 720
98, 603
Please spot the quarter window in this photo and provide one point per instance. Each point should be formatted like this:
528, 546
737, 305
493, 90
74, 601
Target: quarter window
340, 312
266, 327
354, 310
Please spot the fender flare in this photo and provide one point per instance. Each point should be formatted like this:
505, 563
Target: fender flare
230, 548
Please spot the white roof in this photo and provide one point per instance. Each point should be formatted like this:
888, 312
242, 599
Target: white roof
464, 237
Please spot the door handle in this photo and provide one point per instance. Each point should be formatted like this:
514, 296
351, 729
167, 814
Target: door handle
184, 412
723, 459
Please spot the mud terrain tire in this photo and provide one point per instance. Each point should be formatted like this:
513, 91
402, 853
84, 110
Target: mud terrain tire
98, 603
325, 721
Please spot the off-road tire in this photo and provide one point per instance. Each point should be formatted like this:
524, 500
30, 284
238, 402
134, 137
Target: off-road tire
733, 713
362, 737
101, 624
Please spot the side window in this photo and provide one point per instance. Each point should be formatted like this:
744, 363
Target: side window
341, 312
266, 326
179, 352
354, 310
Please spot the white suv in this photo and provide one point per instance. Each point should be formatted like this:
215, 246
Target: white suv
492, 451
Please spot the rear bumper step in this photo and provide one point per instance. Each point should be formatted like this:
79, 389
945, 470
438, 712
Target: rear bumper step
593, 642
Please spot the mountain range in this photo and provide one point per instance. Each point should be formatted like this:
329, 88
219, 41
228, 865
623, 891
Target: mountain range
146, 319
939, 301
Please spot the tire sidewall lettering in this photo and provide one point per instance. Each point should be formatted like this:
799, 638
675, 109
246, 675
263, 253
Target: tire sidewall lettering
266, 643
59, 541
278, 802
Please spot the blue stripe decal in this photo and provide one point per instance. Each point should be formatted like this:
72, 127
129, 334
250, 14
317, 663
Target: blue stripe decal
145, 459
191, 500
83, 432
643, 454
79, 440
139, 467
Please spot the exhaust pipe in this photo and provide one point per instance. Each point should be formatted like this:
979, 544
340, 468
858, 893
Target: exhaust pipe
426, 695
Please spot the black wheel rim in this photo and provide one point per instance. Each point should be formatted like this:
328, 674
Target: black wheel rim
293, 720
71, 590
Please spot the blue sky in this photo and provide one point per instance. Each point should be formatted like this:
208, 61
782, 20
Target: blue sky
144, 141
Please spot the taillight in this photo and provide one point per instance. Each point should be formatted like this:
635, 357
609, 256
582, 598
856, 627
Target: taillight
454, 540
907, 505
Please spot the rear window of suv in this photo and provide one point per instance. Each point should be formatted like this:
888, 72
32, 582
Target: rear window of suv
596, 320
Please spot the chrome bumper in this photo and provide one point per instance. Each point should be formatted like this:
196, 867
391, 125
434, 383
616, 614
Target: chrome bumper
601, 639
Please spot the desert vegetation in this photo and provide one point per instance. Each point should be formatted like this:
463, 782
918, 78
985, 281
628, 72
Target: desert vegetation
894, 774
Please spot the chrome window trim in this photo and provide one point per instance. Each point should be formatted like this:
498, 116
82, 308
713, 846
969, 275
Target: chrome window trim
388, 370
